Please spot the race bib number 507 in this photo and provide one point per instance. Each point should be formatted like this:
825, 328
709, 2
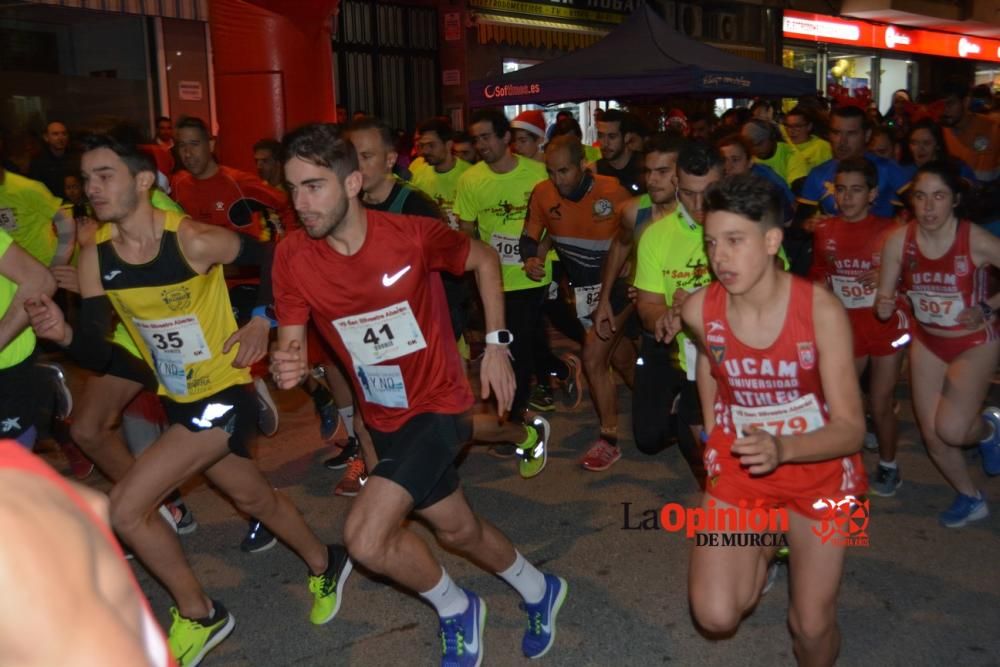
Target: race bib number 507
381, 335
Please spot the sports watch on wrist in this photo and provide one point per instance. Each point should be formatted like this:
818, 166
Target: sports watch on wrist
500, 337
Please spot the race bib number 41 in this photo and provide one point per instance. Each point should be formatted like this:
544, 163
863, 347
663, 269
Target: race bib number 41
802, 415
381, 335
937, 309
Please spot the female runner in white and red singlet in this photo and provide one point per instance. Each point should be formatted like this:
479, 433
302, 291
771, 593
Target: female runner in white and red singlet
941, 262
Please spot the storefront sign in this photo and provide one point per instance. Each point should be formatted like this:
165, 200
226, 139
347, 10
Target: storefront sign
452, 26
491, 91
595, 11
189, 91
820, 28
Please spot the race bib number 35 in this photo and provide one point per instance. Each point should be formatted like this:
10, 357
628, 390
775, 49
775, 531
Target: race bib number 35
507, 246
937, 309
802, 415
381, 335
852, 293
174, 343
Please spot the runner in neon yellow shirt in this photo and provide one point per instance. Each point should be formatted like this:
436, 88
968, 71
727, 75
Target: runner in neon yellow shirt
439, 178
493, 200
35, 219
19, 382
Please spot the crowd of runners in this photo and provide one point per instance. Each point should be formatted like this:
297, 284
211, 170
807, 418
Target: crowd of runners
758, 282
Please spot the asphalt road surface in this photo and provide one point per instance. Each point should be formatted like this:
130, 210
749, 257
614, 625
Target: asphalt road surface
919, 594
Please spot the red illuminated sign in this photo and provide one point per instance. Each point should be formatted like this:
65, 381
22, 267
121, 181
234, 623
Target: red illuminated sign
820, 28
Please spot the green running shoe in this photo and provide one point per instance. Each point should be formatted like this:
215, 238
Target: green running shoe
190, 640
327, 588
533, 452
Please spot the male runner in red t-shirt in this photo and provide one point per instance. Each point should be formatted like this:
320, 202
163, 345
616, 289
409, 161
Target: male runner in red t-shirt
364, 279
783, 412
847, 251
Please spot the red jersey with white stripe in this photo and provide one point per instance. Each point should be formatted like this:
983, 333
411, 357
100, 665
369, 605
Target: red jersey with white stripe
383, 311
777, 389
844, 251
14, 457
939, 289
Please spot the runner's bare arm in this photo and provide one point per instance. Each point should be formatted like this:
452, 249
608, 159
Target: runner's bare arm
207, 245
985, 250
88, 615
65, 227
289, 356
691, 315
888, 274
655, 315
621, 245
843, 433
32, 280
495, 371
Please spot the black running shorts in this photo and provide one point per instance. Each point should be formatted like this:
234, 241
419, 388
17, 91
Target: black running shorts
234, 410
420, 456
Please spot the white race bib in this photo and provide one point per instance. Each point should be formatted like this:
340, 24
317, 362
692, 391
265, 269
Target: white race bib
508, 247
8, 221
586, 300
937, 310
690, 353
381, 335
174, 343
383, 385
852, 293
802, 415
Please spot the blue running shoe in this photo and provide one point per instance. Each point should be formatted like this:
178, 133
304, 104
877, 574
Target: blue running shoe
462, 635
963, 510
328, 421
541, 632
989, 448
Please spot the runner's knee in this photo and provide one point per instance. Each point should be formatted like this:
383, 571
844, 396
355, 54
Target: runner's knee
715, 616
461, 537
366, 546
811, 625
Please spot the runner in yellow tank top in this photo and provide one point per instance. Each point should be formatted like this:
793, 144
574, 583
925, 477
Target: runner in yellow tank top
162, 274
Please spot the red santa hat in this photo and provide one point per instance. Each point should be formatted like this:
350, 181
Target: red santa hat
533, 121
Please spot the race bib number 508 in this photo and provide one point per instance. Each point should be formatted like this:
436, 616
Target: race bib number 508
381, 335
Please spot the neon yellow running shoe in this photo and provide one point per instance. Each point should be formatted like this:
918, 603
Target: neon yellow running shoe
190, 640
533, 452
327, 588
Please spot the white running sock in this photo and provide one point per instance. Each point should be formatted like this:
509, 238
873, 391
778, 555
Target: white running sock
525, 578
347, 416
448, 599
887, 464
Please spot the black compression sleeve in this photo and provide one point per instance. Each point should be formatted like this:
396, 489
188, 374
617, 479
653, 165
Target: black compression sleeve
90, 346
255, 253
528, 247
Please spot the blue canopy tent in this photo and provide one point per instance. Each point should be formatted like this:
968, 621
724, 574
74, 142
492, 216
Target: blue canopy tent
641, 60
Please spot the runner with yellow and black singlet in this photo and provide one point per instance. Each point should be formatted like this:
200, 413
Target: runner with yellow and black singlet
162, 274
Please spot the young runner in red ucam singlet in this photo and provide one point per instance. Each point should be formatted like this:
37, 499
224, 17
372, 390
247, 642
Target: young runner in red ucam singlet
846, 254
940, 262
783, 413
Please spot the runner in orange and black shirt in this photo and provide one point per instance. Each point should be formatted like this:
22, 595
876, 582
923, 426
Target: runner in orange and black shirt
580, 212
